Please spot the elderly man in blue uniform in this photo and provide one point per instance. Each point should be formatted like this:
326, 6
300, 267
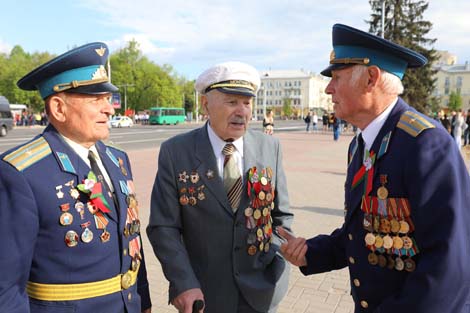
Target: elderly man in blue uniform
69, 221
407, 200
218, 193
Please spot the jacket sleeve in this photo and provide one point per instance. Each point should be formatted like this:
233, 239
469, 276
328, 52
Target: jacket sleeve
165, 228
280, 214
437, 185
19, 226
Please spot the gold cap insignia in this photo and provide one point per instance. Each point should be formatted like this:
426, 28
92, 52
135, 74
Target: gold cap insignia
332, 55
100, 51
100, 73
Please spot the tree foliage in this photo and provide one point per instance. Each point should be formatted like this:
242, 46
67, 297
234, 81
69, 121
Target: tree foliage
404, 25
455, 101
144, 83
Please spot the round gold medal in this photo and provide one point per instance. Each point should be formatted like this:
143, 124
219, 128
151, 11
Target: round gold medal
264, 181
394, 226
382, 193
66, 219
257, 214
379, 242
370, 239
248, 211
388, 242
259, 233
269, 197
404, 227
265, 211
385, 226
261, 195
261, 246
397, 242
407, 242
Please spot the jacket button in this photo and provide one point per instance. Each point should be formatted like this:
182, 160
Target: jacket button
129, 296
350, 236
351, 260
364, 304
124, 252
357, 283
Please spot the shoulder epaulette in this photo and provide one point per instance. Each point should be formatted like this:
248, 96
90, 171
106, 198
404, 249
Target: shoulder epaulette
30, 153
413, 123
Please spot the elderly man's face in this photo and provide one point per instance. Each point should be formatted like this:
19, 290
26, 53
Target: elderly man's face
347, 95
228, 114
84, 118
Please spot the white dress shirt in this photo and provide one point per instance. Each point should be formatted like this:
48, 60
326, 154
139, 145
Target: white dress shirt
372, 130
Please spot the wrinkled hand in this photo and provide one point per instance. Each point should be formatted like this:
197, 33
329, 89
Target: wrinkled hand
294, 248
184, 301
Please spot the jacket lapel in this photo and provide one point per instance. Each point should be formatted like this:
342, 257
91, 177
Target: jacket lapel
208, 162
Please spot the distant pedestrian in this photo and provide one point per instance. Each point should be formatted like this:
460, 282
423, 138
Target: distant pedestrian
315, 121
466, 135
336, 124
459, 127
308, 120
268, 123
446, 123
325, 121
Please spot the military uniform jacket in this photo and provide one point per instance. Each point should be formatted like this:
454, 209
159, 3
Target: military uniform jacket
421, 167
36, 182
202, 243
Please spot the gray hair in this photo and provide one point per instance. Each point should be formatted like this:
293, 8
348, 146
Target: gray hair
390, 83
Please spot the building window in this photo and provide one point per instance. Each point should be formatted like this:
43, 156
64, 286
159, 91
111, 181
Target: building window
447, 83
446, 90
459, 82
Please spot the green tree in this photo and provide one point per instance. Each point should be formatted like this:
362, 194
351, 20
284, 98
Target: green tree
455, 101
287, 107
404, 25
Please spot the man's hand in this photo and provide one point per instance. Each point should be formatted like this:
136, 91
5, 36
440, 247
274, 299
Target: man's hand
294, 248
184, 301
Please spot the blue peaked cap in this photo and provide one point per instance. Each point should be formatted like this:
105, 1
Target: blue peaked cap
352, 46
80, 70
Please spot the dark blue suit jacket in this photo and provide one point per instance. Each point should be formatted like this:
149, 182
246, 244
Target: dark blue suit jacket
428, 170
33, 240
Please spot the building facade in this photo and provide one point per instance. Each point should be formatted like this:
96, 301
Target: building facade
452, 77
303, 91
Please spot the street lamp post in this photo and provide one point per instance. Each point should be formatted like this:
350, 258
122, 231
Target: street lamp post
125, 94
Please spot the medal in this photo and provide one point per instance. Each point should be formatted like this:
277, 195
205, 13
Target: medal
121, 165
59, 193
87, 234
407, 242
369, 239
252, 250
376, 223
201, 196
269, 197
183, 177
399, 264
210, 174
192, 201
265, 211
74, 193
367, 223
66, 219
251, 238
194, 177
388, 242
264, 181
390, 263
410, 265
248, 211
382, 192
382, 261
373, 258
404, 227
261, 246
379, 242
257, 214
71, 238
384, 226
394, 226
105, 236
261, 195
397, 243
184, 200
266, 247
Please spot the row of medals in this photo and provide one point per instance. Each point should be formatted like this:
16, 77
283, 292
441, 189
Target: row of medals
66, 219
385, 233
259, 221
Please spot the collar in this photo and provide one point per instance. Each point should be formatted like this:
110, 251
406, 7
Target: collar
372, 130
218, 144
81, 150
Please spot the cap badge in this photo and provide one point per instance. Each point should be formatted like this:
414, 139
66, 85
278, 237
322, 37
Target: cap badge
101, 51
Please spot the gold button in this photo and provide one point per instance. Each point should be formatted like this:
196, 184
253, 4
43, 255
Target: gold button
364, 304
124, 252
357, 283
350, 237
351, 260
129, 296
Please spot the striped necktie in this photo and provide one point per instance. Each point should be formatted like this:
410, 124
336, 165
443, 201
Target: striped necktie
232, 177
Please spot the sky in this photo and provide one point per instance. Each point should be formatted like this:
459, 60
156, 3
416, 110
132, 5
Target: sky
193, 35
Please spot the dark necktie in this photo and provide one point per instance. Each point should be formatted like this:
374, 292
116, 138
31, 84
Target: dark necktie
232, 177
99, 175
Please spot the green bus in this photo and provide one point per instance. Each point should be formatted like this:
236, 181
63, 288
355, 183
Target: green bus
164, 116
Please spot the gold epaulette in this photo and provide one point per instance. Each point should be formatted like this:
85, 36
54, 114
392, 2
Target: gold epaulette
413, 123
30, 153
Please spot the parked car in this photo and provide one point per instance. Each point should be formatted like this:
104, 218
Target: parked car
121, 121
6, 118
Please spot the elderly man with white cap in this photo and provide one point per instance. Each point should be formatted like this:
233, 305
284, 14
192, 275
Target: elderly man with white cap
219, 192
